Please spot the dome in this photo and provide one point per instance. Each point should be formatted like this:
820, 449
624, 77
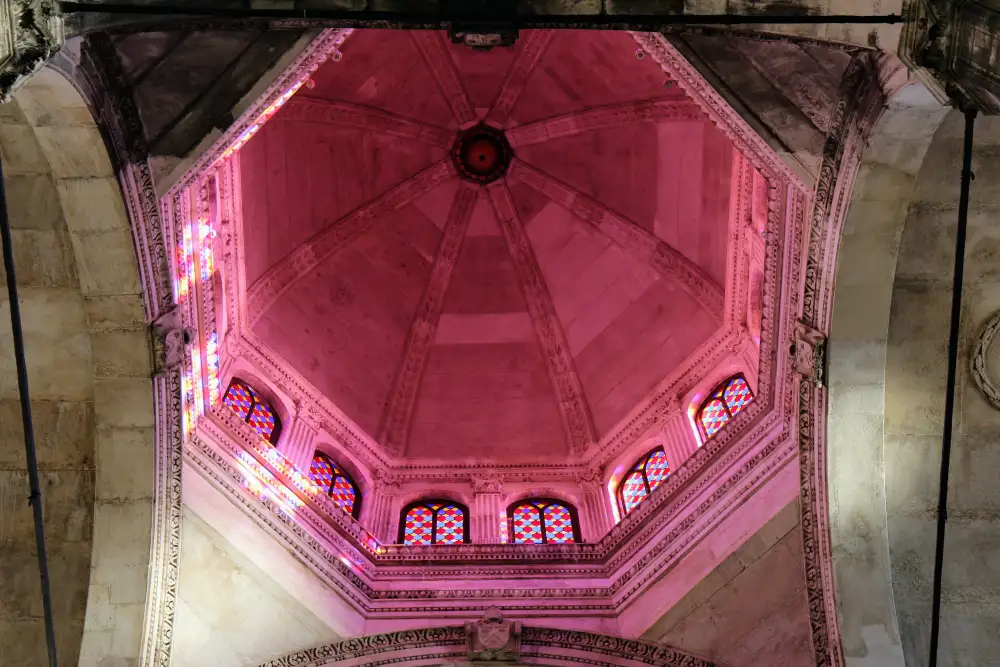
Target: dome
487, 254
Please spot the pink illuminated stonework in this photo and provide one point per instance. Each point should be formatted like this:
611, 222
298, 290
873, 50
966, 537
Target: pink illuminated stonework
461, 319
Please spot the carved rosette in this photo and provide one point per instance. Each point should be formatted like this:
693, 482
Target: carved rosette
31, 31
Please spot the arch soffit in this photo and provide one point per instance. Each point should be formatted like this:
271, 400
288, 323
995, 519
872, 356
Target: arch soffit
91, 204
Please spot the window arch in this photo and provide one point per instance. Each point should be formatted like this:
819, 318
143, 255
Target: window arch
335, 483
647, 474
543, 521
253, 409
724, 403
434, 522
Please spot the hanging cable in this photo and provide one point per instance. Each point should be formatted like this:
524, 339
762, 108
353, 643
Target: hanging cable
602, 21
35, 497
949, 399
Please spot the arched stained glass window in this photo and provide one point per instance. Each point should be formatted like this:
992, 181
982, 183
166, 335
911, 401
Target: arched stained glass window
434, 522
728, 400
254, 410
541, 521
332, 479
647, 474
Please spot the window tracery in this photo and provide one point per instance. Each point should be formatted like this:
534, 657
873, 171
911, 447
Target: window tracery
332, 479
543, 521
429, 522
647, 474
254, 410
724, 403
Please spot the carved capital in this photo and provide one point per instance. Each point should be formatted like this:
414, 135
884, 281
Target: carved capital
493, 639
488, 483
591, 476
809, 353
170, 338
31, 31
669, 408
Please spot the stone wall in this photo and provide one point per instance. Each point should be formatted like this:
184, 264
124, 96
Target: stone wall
751, 610
89, 370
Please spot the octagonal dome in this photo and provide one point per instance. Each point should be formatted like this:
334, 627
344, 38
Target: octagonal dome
520, 316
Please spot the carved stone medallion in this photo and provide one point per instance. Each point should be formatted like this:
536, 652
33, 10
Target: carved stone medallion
493, 639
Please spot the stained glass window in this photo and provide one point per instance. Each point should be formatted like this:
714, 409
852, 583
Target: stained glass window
433, 522
254, 410
332, 479
538, 521
647, 474
728, 400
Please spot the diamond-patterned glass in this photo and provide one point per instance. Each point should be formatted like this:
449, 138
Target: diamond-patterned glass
239, 398
262, 420
657, 468
737, 395
558, 524
418, 526
527, 524
713, 416
321, 472
343, 493
633, 490
450, 528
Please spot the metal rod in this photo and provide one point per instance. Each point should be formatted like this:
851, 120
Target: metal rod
35, 497
949, 401
602, 21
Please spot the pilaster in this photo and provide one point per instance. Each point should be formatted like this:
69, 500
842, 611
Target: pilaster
299, 443
380, 507
679, 440
596, 517
487, 508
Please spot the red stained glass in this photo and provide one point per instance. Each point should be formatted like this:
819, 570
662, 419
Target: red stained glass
728, 400
418, 526
433, 522
647, 474
542, 522
248, 406
333, 481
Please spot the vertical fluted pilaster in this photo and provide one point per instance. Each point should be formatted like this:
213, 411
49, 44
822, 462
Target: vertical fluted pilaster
379, 508
596, 517
487, 507
679, 440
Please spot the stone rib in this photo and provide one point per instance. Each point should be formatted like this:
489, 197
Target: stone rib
533, 47
434, 51
348, 114
573, 407
280, 277
402, 400
664, 258
643, 111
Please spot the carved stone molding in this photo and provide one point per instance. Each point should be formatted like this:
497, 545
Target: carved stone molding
951, 45
980, 366
31, 31
346, 114
434, 50
532, 48
809, 354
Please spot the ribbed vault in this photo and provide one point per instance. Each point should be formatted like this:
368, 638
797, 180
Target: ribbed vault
527, 316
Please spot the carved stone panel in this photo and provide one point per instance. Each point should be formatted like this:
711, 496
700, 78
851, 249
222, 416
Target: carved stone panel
493, 639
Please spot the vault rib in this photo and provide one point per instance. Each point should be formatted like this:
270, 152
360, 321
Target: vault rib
573, 407
359, 116
533, 47
664, 258
627, 113
430, 44
280, 277
398, 414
